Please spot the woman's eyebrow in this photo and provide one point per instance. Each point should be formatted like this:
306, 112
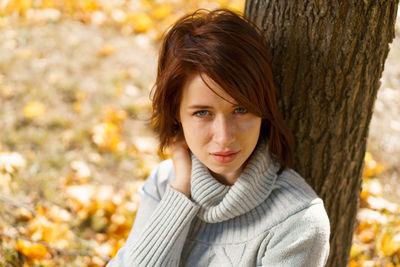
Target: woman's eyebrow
206, 107
199, 107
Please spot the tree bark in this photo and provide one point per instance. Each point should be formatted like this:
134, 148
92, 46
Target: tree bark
328, 57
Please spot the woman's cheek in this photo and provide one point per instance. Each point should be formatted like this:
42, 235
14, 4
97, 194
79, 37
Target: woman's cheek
196, 133
200, 132
250, 125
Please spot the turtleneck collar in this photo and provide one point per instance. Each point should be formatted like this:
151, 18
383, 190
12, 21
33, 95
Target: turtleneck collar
219, 202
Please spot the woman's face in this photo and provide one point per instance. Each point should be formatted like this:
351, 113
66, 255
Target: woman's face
221, 135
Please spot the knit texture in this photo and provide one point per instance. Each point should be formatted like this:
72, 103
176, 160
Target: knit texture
262, 220
220, 202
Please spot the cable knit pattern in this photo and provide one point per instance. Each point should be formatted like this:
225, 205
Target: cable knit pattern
221, 202
262, 220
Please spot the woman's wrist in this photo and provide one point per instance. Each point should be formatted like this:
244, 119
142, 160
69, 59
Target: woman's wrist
184, 188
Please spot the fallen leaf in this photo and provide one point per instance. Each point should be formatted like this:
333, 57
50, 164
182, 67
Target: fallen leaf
371, 168
32, 250
162, 11
115, 116
106, 50
48, 4
88, 5
107, 137
34, 109
142, 22
388, 245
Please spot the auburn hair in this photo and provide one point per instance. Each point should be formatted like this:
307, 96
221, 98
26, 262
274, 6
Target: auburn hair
232, 51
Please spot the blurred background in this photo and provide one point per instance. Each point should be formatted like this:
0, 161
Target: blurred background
75, 143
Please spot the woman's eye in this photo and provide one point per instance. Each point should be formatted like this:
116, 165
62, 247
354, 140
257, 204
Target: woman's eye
240, 111
201, 113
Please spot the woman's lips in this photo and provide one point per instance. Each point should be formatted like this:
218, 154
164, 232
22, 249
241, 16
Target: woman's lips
225, 157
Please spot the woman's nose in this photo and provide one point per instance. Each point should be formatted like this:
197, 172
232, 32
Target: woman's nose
224, 132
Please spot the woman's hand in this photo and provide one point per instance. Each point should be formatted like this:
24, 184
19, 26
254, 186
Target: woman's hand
182, 164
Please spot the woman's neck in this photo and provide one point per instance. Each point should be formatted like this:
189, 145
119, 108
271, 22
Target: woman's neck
226, 179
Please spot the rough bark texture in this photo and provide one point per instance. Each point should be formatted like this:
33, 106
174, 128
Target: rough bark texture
328, 57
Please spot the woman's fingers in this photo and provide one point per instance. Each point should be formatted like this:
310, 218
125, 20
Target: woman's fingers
182, 164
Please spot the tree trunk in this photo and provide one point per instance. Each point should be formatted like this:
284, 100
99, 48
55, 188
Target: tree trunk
328, 57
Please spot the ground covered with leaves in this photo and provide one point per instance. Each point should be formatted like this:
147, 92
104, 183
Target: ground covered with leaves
75, 142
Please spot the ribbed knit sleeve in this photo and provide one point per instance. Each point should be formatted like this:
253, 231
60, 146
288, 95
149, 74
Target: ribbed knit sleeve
160, 241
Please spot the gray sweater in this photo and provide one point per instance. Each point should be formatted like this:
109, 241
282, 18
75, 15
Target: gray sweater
262, 220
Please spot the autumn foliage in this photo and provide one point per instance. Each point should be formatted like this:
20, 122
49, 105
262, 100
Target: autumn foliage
74, 206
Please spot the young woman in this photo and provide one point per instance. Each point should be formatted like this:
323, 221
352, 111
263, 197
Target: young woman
227, 196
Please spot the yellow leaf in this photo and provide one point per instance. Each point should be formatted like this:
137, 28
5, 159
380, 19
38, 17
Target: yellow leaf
70, 5
146, 3
119, 90
162, 11
142, 22
371, 168
25, 53
89, 5
115, 143
353, 263
367, 236
121, 221
79, 95
31, 250
38, 227
49, 225
388, 245
23, 5
368, 156
107, 135
364, 193
6, 91
222, 3
40, 209
48, 4
34, 110
103, 201
115, 116
106, 50
236, 7
3, 22
116, 246
77, 106
362, 226
355, 250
